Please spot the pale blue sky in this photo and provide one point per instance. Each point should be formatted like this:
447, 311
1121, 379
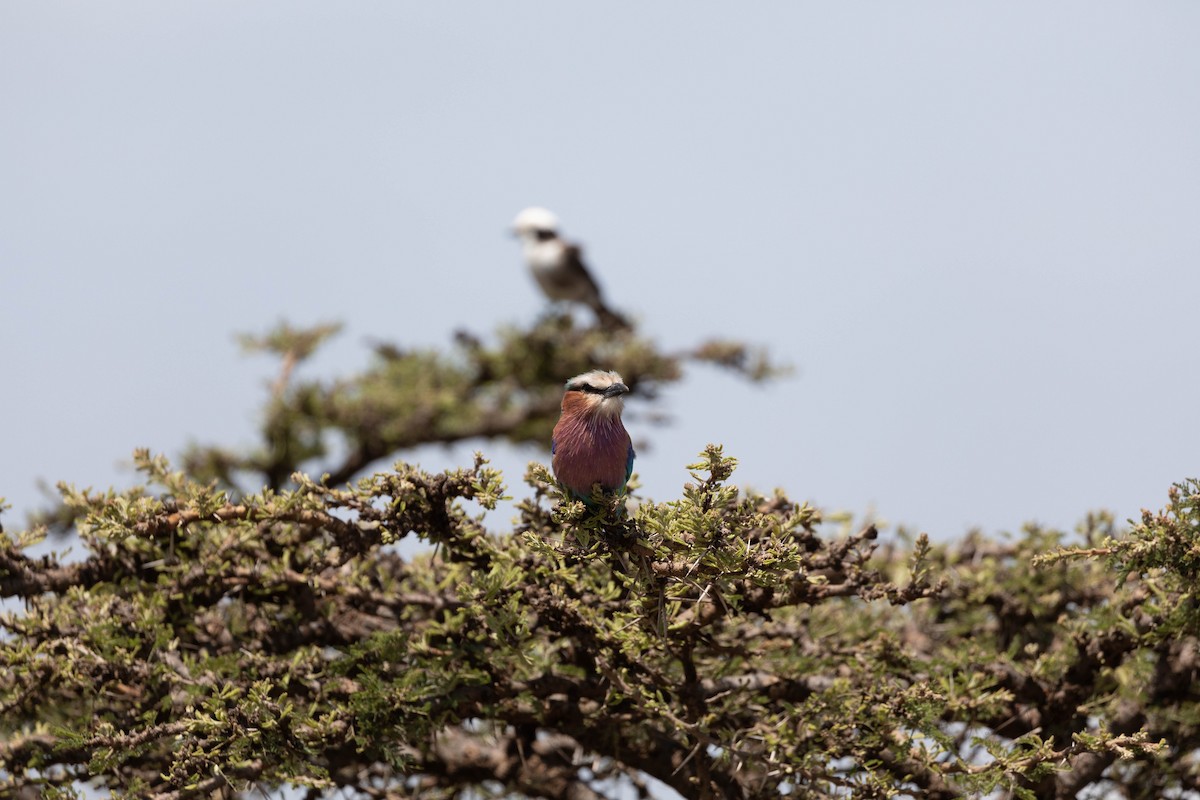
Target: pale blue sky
972, 228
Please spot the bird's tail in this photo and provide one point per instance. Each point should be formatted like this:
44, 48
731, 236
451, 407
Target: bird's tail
610, 320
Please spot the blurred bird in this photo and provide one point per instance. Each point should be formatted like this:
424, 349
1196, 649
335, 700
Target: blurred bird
590, 445
558, 265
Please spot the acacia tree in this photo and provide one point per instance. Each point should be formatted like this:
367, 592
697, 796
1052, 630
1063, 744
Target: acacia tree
245, 622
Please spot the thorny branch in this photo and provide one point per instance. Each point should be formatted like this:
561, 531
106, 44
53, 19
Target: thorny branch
215, 641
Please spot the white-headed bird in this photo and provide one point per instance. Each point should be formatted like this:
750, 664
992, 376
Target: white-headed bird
558, 265
590, 445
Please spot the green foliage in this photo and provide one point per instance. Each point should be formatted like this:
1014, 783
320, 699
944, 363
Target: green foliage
214, 639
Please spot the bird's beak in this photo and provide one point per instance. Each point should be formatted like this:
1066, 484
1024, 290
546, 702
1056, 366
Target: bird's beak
616, 390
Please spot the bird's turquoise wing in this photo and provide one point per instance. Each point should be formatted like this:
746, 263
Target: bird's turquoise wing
629, 462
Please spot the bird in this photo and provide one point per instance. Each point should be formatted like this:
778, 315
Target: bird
558, 265
590, 445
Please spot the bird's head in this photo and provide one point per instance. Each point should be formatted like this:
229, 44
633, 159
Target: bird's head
598, 391
535, 224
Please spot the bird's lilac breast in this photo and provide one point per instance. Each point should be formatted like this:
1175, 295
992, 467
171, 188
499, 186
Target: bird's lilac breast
590, 451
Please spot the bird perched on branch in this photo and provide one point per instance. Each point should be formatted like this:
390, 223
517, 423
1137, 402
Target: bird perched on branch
558, 265
590, 444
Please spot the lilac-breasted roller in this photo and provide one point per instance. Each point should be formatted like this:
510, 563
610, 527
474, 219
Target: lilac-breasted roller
590, 445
